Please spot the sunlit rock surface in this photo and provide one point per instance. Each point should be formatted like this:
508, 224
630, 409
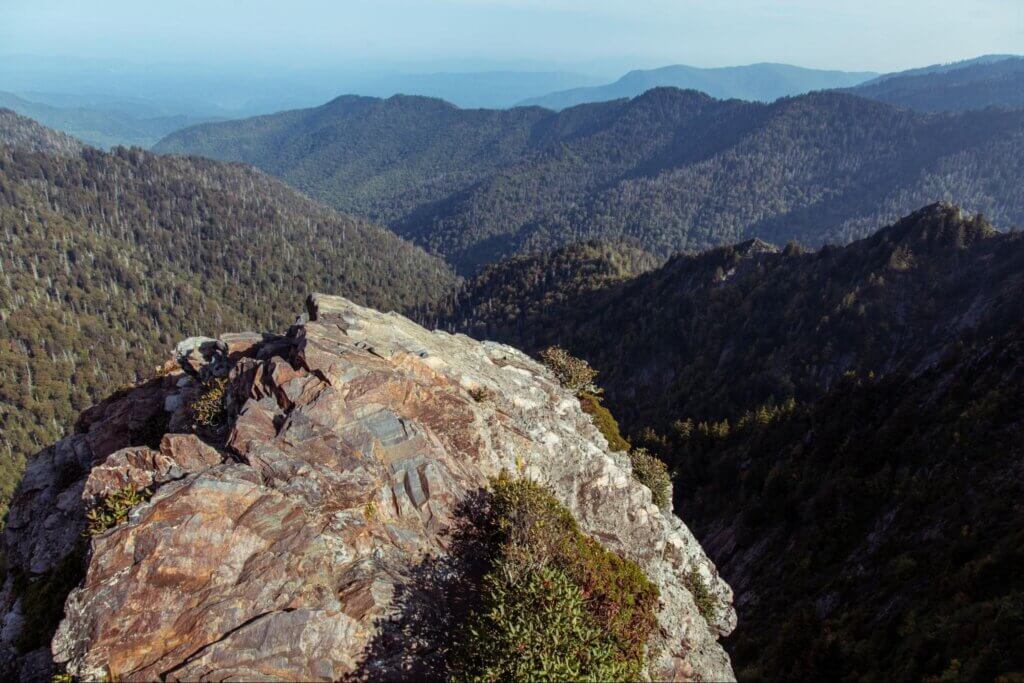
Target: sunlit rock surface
307, 537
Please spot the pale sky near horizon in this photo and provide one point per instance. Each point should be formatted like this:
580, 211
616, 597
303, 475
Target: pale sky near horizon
876, 35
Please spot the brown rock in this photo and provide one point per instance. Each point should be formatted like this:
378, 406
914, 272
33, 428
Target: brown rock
323, 548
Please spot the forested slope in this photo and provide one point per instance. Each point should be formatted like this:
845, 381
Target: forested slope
845, 429
106, 260
711, 335
27, 134
975, 85
670, 170
875, 534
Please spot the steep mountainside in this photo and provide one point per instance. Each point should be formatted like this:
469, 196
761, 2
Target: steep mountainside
324, 505
376, 158
877, 534
845, 428
712, 335
759, 82
106, 259
670, 170
976, 85
508, 296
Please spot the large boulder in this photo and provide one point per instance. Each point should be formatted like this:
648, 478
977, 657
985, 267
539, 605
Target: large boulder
309, 537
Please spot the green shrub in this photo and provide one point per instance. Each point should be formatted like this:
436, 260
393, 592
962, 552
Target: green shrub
534, 540
575, 374
707, 605
534, 625
209, 408
604, 421
114, 509
482, 394
652, 473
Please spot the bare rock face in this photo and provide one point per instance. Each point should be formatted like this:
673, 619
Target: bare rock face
308, 537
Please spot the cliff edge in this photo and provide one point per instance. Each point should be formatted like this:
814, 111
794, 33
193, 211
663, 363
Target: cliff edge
303, 491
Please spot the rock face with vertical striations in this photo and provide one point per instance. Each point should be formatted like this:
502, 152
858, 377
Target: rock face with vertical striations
302, 534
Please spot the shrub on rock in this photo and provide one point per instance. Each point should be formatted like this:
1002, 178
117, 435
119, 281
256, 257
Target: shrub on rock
554, 598
652, 473
575, 374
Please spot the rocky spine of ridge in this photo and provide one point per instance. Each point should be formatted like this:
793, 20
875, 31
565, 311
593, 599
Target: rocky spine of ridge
308, 534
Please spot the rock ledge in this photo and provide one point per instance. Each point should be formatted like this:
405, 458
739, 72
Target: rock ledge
282, 544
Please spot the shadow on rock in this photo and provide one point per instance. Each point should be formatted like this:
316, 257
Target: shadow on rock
413, 642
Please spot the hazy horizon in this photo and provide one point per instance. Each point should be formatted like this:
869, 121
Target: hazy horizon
597, 37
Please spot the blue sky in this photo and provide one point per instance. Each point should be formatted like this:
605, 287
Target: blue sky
595, 35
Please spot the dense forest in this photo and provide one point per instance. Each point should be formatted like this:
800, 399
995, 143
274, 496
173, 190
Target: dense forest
107, 260
975, 85
508, 299
669, 170
875, 534
844, 427
711, 335
26, 134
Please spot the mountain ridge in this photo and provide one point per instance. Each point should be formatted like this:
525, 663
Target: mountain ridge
844, 427
654, 316
670, 170
763, 81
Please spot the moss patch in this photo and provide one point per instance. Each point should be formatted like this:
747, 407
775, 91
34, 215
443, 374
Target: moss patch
604, 421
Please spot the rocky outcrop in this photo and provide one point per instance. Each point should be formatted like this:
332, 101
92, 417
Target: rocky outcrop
308, 535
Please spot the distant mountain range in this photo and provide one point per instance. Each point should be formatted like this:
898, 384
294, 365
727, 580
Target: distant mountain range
483, 89
668, 170
970, 84
985, 82
97, 107
101, 125
756, 82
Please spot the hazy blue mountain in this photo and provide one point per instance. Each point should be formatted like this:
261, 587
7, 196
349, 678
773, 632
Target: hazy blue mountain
487, 89
941, 68
201, 90
758, 82
996, 80
102, 126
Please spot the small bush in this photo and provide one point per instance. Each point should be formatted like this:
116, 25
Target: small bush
536, 543
209, 408
114, 509
604, 421
534, 625
707, 605
652, 473
481, 394
575, 374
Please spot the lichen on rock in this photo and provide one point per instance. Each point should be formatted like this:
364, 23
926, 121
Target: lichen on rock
310, 536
